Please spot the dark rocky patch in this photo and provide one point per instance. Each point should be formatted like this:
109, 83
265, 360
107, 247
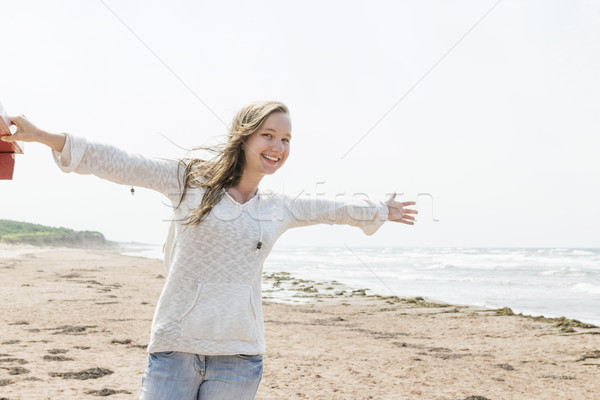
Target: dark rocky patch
13, 360
420, 302
408, 345
106, 392
590, 354
379, 334
564, 377
17, 371
504, 311
308, 310
71, 276
507, 367
439, 350
565, 324
57, 358
57, 351
91, 373
72, 329
450, 356
125, 341
328, 321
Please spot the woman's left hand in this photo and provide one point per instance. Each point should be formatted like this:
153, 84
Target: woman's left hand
397, 212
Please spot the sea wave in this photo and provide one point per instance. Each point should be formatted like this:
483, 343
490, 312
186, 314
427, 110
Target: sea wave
586, 288
546, 281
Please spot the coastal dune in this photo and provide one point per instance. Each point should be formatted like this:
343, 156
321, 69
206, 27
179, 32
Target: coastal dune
75, 324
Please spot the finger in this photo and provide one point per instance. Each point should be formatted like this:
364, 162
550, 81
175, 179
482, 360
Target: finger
409, 211
15, 124
8, 138
405, 219
408, 203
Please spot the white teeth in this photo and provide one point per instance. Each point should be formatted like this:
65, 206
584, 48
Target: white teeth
270, 158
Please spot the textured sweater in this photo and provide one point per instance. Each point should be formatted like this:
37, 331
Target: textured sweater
211, 300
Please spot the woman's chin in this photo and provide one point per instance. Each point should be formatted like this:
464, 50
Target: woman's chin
270, 169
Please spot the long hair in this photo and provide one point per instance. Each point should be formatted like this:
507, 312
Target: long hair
225, 169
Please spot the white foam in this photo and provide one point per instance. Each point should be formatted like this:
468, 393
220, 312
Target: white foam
558, 281
586, 288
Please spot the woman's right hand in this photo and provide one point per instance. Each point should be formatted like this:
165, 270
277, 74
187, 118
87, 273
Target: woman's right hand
28, 132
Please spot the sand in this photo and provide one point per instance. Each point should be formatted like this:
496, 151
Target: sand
74, 324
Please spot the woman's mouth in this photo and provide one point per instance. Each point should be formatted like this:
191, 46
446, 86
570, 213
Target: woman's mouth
270, 159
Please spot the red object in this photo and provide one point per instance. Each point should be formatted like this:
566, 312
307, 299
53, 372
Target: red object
7, 165
7, 150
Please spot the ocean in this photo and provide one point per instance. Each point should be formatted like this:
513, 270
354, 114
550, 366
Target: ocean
552, 282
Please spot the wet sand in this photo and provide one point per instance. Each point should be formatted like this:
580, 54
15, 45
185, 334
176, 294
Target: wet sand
74, 324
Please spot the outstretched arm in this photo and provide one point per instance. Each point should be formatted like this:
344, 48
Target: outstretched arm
363, 213
28, 132
397, 212
76, 154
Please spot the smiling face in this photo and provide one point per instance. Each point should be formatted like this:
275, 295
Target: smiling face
267, 149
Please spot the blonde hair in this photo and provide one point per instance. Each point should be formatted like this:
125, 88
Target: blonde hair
225, 169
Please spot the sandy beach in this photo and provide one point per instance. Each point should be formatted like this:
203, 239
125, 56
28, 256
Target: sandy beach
75, 324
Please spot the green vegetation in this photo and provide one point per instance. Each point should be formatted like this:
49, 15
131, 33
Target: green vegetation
504, 311
418, 302
565, 324
14, 232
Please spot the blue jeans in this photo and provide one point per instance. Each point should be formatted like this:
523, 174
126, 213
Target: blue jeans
185, 376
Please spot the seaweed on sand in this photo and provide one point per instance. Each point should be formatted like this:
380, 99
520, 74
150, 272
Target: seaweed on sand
91, 373
590, 354
17, 371
565, 324
107, 392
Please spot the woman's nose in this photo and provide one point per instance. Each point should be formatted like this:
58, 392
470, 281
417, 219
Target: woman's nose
278, 146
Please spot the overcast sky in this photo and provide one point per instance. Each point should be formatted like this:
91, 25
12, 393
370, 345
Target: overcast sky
486, 112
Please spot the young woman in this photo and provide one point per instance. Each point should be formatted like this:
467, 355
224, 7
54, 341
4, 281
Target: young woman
207, 336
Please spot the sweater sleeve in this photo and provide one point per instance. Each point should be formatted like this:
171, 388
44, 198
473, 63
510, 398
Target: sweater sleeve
107, 162
364, 214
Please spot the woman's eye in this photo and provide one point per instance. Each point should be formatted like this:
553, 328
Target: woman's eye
267, 135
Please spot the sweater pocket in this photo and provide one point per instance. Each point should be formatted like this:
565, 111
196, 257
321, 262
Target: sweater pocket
220, 311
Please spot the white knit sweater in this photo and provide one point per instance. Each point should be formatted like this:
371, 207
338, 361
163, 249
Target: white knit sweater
211, 300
